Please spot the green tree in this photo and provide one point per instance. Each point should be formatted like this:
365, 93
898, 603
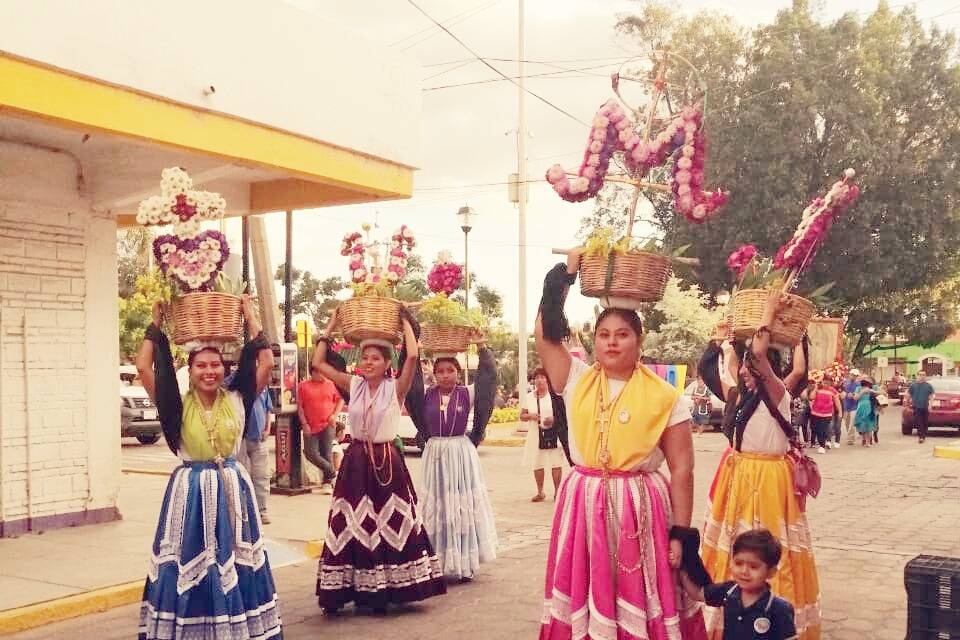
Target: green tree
134, 246
794, 104
504, 343
312, 296
136, 310
687, 322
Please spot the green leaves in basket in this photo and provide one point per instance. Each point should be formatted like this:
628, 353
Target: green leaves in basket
382, 289
225, 284
441, 310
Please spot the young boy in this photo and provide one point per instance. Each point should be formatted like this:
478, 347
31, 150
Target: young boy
750, 610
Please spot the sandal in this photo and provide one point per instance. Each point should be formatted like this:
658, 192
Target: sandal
538, 498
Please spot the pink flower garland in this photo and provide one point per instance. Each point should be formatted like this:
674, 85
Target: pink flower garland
739, 259
353, 246
401, 242
613, 130
817, 219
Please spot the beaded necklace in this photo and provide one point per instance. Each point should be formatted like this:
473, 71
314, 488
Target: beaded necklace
211, 423
387, 462
444, 411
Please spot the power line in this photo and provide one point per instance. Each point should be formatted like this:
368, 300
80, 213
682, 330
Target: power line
493, 68
529, 75
544, 62
451, 20
450, 23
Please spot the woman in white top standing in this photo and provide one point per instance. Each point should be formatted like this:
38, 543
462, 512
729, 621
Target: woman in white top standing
544, 437
393, 562
753, 487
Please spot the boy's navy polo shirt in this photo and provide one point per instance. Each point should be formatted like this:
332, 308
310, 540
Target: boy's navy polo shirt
769, 618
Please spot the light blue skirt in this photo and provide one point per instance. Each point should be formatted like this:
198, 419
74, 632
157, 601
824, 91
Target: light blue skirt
456, 506
209, 576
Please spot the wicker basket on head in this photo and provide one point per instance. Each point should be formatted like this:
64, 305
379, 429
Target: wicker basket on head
446, 338
722, 330
370, 318
640, 276
206, 316
789, 326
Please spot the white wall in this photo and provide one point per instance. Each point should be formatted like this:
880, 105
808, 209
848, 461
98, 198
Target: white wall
57, 274
269, 62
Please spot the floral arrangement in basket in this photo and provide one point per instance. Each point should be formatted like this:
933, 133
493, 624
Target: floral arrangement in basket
447, 324
206, 303
373, 313
755, 273
366, 271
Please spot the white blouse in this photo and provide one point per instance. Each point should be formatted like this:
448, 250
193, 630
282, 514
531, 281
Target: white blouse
763, 434
679, 415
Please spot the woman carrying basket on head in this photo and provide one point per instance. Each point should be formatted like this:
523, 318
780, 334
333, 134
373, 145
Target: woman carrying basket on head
454, 501
754, 485
620, 526
209, 575
376, 551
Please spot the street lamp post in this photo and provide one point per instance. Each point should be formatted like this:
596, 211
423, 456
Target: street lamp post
466, 224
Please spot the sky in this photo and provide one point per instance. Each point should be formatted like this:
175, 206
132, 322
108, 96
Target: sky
468, 133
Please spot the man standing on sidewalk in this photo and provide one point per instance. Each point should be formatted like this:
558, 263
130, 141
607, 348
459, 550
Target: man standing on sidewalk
318, 403
254, 454
850, 386
920, 393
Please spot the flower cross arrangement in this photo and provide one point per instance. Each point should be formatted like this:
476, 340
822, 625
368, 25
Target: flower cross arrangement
755, 271
366, 270
192, 259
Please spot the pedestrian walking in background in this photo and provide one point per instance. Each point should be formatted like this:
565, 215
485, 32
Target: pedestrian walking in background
850, 386
866, 417
921, 392
254, 452
800, 414
824, 406
318, 404
701, 405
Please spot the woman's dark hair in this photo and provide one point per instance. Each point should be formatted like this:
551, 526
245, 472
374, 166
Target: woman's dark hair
452, 361
760, 542
628, 316
384, 351
193, 355
866, 383
539, 371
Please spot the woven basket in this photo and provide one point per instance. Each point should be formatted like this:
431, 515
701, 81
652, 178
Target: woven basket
445, 338
207, 315
638, 276
370, 318
722, 330
789, 326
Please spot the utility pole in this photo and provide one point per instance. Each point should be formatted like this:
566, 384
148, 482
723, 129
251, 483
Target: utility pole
522, 206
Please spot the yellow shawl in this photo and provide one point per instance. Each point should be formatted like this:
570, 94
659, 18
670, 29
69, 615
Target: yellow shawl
194, 438
635, 422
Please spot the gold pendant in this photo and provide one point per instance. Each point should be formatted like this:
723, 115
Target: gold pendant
604, 457
624, 416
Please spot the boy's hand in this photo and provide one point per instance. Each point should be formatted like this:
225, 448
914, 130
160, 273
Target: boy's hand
676, 554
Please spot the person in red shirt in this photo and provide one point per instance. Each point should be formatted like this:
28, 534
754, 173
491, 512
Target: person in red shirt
319, 402
824, 405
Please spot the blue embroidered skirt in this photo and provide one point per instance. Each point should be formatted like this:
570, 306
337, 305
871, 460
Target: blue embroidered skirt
209, 576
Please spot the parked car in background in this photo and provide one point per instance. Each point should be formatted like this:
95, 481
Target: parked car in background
138, 416
716, 406
896, 388
944, 406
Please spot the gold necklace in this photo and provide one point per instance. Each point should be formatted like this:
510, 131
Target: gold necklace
387, 462
212, 425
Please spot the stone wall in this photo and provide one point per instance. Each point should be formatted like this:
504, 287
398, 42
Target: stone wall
59, 419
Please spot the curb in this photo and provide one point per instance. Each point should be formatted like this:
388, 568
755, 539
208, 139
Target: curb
951, 451
81, 604
313, 548
502, 442
148, 472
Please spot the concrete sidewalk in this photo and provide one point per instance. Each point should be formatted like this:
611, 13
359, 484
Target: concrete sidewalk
39, 567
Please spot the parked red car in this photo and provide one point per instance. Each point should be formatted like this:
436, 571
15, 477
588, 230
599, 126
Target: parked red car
944, 407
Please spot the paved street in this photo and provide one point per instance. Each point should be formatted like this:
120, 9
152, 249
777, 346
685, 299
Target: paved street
878, 508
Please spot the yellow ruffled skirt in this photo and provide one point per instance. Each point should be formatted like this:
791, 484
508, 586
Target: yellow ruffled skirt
754, 491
